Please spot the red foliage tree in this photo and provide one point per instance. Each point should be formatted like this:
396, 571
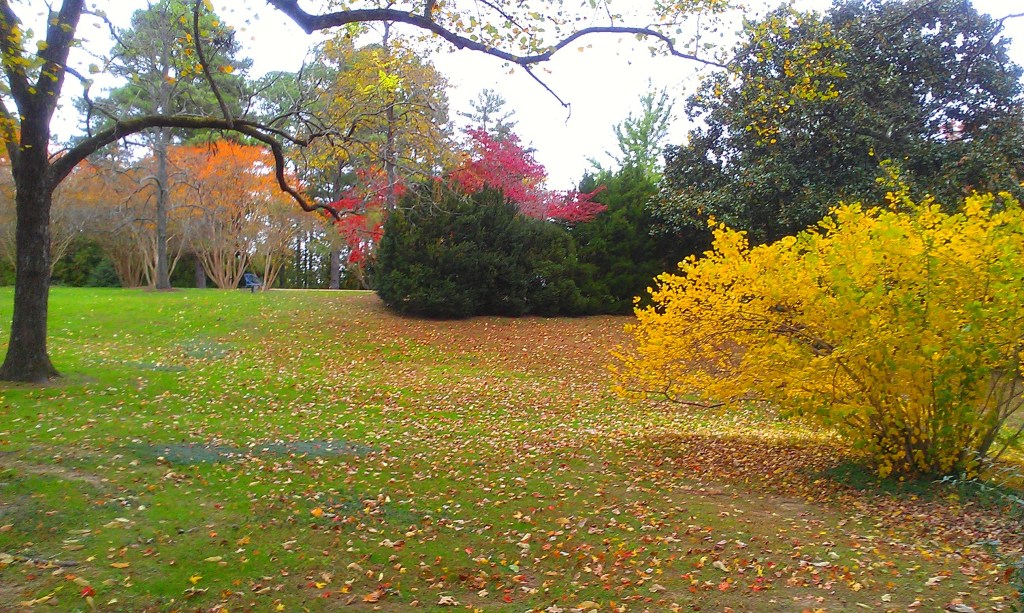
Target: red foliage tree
504, 164
366, 204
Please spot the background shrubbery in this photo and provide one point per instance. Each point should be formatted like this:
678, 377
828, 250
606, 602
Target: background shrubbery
460, 256
618, 250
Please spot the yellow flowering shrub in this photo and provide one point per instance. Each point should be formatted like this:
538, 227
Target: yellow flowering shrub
899, 327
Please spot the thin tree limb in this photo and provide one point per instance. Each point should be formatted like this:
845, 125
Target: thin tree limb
311, 23
198, 41
530, 72
62, 167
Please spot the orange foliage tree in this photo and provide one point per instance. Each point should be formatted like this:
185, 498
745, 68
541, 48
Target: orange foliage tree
115, 204
235, 210
66, 218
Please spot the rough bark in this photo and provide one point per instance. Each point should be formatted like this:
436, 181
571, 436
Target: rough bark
162, 138
200, 274
27, 359
335, 269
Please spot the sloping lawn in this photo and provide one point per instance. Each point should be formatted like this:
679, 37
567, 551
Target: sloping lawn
291, 451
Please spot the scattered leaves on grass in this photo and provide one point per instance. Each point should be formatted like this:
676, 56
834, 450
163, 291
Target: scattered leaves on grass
499, 469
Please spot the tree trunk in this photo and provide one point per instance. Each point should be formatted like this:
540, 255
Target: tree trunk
335, 269
162, 141
27, 359
391, 198
307, 263
200, 274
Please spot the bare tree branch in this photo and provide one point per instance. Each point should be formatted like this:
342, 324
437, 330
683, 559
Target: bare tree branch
312, 23
529, 71
197, 37
509, 18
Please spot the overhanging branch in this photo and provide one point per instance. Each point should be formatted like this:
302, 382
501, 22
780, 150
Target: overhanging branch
62, 167
205, 65
311, 23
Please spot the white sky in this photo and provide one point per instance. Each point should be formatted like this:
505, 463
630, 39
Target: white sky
603, 83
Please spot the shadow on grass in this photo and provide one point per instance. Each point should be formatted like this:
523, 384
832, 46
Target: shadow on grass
988, 492
201, 453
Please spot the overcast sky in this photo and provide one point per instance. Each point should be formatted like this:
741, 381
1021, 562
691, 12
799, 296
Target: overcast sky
603, 83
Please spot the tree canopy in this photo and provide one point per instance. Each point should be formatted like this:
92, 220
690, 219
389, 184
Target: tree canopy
641, 137
811, 104
489, 114
162, 75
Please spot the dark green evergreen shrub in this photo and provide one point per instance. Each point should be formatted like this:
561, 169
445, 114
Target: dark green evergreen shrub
85, 265
458, 256
618, 252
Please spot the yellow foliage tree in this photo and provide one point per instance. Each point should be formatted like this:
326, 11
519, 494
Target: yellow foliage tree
388, 109
900, 327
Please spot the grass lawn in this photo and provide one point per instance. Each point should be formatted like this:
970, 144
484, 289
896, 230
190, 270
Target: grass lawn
293, 451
